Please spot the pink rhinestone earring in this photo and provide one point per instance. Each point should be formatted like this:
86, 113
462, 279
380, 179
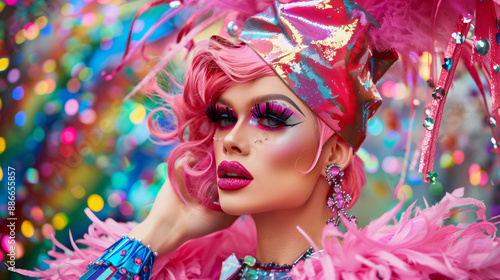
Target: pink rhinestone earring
339, 199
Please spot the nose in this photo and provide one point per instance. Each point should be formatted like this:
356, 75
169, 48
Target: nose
236, 141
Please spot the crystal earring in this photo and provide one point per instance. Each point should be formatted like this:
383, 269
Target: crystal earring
339, 199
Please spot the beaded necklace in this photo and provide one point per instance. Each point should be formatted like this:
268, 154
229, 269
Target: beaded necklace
250, 268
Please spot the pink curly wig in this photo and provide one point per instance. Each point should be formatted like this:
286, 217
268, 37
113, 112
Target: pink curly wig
213, 69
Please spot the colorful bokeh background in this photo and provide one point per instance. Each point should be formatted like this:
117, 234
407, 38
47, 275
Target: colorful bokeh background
74, 143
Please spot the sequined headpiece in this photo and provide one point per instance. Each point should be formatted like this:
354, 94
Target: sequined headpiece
320, 50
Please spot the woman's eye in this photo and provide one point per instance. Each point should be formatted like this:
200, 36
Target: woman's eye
271, 122
223, 117
226, 121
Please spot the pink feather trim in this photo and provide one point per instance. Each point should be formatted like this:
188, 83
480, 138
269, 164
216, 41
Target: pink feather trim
418, 246
196, 259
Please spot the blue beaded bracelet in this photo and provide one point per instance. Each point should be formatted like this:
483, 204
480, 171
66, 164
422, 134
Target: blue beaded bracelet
125, 259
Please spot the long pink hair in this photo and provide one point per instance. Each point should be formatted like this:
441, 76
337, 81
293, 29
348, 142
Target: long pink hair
214, 68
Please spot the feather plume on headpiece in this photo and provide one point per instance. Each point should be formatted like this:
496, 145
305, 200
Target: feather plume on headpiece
408, 27
441, 27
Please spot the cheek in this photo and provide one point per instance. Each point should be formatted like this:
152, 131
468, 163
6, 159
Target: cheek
297, 148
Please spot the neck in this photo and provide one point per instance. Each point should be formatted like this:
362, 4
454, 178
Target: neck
278, 239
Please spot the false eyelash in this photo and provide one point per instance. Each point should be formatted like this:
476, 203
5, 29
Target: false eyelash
273, 110
216, 113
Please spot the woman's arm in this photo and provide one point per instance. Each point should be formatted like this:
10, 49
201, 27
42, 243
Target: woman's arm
172, 222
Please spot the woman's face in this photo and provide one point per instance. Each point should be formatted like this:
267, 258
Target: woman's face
264, 136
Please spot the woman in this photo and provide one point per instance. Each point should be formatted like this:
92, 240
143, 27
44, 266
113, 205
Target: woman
273, 124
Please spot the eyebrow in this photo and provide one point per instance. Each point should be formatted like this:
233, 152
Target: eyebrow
268, 98
278, 97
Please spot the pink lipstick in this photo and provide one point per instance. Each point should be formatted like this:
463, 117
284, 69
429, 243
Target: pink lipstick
233, 176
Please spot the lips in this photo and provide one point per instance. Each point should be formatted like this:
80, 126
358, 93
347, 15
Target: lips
233, 176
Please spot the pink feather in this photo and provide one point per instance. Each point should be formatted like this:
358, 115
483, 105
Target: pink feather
417, 246
196, 259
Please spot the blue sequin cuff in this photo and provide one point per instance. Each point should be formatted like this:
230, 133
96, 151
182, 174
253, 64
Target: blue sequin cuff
126, 259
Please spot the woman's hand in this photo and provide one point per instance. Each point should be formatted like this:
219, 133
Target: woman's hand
172, 222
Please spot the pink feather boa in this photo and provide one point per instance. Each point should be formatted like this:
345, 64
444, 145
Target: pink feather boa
196, 259
417, 246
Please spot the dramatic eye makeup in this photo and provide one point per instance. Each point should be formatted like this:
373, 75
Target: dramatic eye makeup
223, 116
273, 115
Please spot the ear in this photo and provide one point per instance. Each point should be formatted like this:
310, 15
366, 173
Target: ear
336, 150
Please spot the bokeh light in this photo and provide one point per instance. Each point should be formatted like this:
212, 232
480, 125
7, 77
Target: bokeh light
39, 134
126, 208
32, 175
106, 43
66, 150
73, 85
10, 2
138, 114
37, 213
6, 243
60, 221
31, 31
4, 63
13, 75
78, 191
18, 93
375, 126
116, 198
391, 165
119, 180
19, 250
446, 161
405, 191
436, 189
20, 118
42, 87
41, 22
391, 139
48, 230
87, 116
2, 144
369, 160
414, 178
49, 66
69, 135
458, 157
27, 229
95, 202
89, 19
71, 107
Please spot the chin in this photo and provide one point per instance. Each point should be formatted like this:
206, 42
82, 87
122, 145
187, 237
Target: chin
238, 206
234, 207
